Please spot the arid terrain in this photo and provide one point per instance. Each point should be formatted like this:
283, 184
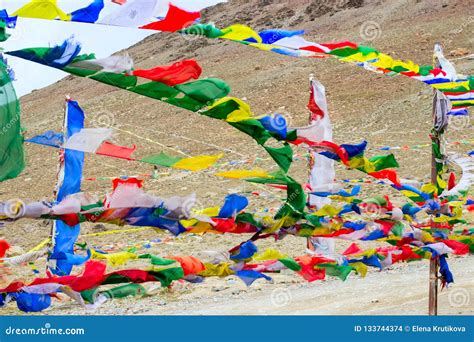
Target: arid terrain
393, 111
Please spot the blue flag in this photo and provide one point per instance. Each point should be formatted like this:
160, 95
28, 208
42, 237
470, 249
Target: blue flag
233, 204
88, 14
249, 276
49, 138
246, 250
65, 236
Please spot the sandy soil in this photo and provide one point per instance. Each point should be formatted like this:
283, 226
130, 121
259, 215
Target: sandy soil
400, 290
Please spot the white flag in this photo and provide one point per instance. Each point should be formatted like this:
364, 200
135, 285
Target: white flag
134, 13
88, 139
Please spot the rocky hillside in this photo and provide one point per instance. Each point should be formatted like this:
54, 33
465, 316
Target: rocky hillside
363, 105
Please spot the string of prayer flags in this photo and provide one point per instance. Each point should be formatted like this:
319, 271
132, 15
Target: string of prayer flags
137, 14
93, 140
458, 90
193, 95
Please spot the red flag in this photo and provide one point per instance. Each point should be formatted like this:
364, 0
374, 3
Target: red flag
308, 263
175, 20
3, 248
173, 74
352, 249
385, 225
316, 112
116, 151
224, 225
458, 248
190, 264
341, 45
451, 181
129, 181
13, 287
391, 175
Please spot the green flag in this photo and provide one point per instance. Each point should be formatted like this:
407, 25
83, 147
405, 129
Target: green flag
161, 159
12, 161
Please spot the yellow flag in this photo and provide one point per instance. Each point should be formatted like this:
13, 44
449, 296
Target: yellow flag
327, 210
368, 253
240, 32
362, 162
277, 225
264, 47
188, 223
384, 61
211, 212
457, 211
429, 188
360, 57
409, 193
451, 85
239, 174
409, 65
197, 163
114, 259
201, 228
465, 102
269, 254
242, 113
220, 270
427, 237
42, 9
360, 268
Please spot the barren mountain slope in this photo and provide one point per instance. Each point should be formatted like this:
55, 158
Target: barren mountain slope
363, 105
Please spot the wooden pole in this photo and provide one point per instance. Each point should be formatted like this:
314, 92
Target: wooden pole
434, 263
309, 243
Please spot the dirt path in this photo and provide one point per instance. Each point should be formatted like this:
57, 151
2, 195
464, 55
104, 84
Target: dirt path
393, 292
401, 290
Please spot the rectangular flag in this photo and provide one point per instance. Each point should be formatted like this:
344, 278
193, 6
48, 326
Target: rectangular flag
70, 176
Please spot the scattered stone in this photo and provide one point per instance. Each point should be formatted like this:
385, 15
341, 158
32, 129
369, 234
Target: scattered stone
238, 291
459, 52
219, 288
99, 227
